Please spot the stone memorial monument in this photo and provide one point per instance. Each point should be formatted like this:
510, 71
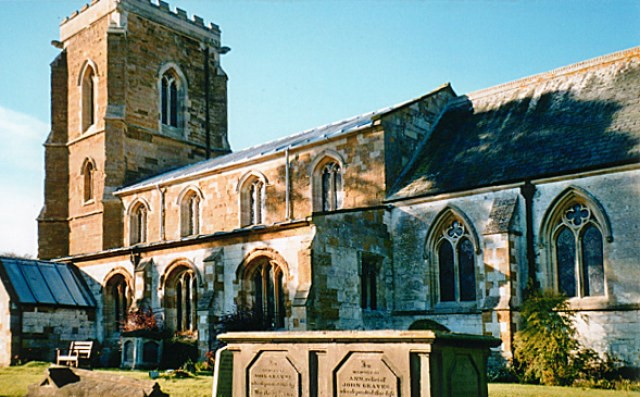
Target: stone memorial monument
352, 364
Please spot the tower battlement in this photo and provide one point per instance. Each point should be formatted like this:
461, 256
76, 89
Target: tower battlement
159, 12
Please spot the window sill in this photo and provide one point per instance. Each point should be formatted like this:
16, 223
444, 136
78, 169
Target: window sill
589, 303
88, 202
456, 307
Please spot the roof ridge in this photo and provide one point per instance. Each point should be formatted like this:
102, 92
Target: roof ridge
553, 73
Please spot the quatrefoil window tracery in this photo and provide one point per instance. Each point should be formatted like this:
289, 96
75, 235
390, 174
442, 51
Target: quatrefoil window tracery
576, 216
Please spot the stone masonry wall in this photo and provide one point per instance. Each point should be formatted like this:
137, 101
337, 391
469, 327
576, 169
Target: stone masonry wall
362, 153
45, 329
342, 239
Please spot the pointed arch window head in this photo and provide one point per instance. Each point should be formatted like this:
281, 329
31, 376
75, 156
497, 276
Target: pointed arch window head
456, 259
578, 252
190, 215
138, 224
88, 88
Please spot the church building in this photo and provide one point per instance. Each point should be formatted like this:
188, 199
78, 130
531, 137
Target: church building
446, 207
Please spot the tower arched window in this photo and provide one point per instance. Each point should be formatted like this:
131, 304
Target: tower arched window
578, 252
452, 249
173, 91
88, 87
138, 224
88, 172
190, 214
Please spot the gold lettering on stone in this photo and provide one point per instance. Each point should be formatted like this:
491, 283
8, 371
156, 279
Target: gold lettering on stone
366, 375
273, 375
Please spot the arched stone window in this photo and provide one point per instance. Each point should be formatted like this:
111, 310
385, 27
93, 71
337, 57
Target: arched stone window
117, 300
267, 293
263, 275
252, 199
327, 189
452, 252
88, 171
574, 232
138, 223
189, 202
88, 83
172, 87
181, 299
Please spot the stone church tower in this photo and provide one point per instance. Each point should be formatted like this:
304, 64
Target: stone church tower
136, 90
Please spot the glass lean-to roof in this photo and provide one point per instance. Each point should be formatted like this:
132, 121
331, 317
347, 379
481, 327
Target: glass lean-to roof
44, 283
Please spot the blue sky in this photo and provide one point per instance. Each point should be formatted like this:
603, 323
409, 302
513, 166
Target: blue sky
295, 65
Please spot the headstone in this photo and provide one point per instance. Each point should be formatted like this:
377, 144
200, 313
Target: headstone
365, 374
223, 374
273, 375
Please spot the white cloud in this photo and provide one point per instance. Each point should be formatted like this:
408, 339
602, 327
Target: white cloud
21, 184
22, 139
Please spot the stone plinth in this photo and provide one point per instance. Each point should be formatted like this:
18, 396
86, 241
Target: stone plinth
352, 363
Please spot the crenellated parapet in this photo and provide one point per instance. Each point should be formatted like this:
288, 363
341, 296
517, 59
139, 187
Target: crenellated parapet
159, 12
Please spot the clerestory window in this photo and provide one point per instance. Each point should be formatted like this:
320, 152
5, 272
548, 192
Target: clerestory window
138, 224
252, 199
190, 214
331, 187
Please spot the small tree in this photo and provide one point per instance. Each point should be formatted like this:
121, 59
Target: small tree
546, 348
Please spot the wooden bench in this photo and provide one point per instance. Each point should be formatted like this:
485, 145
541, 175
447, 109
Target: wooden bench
79, 352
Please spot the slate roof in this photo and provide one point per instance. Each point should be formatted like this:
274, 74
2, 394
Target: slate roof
279, 145
581, 117
44, 283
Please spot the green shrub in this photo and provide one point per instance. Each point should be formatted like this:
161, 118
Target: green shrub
547, 350
546, 346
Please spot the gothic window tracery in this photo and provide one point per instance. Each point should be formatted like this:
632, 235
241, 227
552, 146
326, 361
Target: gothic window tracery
578, 252
455, 263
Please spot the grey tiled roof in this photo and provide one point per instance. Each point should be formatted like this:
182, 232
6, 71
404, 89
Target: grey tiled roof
279, 145
35, 282
582, 117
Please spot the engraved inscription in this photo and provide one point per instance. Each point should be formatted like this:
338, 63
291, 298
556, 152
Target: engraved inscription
366, 375
272, 374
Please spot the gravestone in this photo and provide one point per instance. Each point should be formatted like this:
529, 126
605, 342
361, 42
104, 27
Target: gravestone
352, 364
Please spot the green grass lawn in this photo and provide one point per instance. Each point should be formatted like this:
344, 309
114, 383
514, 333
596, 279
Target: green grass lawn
14, 382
